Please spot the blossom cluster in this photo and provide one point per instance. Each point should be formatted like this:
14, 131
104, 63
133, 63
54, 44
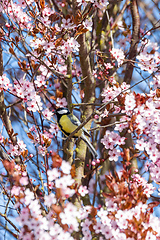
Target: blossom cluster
141, 119
36, 226
149, 57
102, 4
53, 216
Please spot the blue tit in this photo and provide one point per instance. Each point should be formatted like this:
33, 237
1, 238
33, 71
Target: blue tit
67, 122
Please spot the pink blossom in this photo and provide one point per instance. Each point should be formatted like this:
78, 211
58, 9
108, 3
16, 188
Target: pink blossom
140, 145
15, 190
21, 144
71, 45
34, 206
88, 24
111, 206
5, 82
156, 81
36, 42
47, 11
64, 181
42, 150
130, 102
109, 93
67, 23
80, 2
54, 128
55, 229
98, 227
118, 54
122, 124
67, 192
40, 81
64, 236
13, 150
83, 190
85, 225
105, 113
53, 174
47, 113
23, 181
29, 196
107, 232
150, 236
65, 167
149, 61
50, 199
148, 188
45, 20
114, 154
61, 102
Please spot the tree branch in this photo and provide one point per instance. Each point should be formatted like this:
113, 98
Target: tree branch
134, 41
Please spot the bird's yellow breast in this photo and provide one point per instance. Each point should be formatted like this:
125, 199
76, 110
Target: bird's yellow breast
68, 127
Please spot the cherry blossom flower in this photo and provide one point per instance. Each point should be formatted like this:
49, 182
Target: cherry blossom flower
147, 187
23, 181
55, 229
83, 190
130, 102
64, 181
88, 24
67, 23
118, 54
61, 102
34, 206
65, 167
29, 196
50, 199
15, 190
110, 140
42, 150
47, 113
140, 145
53, 174
114, 154
149, 61
150, 236
98, 227
105, 113
4, 83
13, 150
21, 145
40, 81
54, 128
107, 232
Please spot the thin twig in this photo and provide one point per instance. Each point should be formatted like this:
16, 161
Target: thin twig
9, 221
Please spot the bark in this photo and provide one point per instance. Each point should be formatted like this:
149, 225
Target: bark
89, 97
134, 41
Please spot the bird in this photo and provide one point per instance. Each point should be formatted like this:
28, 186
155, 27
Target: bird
68, 122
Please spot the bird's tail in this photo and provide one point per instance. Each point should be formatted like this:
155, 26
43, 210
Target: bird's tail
90, 146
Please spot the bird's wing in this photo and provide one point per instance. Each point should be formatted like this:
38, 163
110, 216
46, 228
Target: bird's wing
76, 122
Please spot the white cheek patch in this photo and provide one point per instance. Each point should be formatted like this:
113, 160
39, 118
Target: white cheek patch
63, 111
